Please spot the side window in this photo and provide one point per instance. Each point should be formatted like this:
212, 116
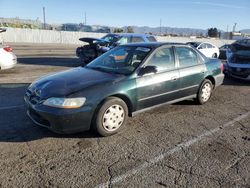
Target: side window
163, 59
151, 39
186, 56
203, 46
123, 40
137, 39
209, 46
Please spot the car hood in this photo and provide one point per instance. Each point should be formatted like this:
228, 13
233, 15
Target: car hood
68, 82
92, 40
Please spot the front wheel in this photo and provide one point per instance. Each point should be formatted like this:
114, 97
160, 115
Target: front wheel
205, 92
111, 116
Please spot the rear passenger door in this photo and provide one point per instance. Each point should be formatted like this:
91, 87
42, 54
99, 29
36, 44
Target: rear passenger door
191, 68
162, 86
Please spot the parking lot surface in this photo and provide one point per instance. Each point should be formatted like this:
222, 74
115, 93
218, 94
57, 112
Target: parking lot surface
182, 145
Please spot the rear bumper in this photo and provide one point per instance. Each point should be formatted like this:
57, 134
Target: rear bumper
237, 71
8, 65
219, 79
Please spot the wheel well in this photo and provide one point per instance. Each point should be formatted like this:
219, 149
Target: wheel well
211, 79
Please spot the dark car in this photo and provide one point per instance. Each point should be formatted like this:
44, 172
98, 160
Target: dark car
97, 47
124, 81
238, 60
223, 51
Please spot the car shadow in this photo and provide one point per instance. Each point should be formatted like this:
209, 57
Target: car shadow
229, 81
51, 61
15, 126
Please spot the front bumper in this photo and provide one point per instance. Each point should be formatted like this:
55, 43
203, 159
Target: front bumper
62, 121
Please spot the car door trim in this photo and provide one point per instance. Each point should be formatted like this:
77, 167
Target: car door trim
159, 105
154, 96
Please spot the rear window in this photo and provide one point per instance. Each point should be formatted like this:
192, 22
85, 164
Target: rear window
151, 39
137, 39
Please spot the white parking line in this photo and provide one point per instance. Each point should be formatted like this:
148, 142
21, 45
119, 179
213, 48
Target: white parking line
10, 107
177, 148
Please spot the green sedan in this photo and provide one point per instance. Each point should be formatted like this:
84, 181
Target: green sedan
122, 82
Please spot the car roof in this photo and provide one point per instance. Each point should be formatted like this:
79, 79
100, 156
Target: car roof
153, 44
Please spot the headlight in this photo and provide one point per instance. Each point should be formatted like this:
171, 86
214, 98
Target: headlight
65, 102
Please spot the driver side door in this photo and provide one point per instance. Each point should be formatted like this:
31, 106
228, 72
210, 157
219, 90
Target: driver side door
161, 86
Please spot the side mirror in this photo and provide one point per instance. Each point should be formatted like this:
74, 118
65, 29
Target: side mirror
147, 70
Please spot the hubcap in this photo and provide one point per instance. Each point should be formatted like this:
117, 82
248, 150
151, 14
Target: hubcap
113, 118
206, 92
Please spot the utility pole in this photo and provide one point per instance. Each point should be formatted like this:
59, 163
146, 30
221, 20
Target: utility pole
160, 26
44, 21
85, 16
234, 27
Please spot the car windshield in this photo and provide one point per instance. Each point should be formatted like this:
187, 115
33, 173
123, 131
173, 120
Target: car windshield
111, 38
120, 60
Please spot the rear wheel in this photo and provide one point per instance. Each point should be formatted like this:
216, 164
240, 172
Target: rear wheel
111, 116
205, 92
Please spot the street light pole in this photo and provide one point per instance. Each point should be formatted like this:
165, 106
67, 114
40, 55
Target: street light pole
160, 26
44, 21
85, 16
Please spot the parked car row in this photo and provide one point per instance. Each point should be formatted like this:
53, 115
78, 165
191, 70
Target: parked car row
127, 74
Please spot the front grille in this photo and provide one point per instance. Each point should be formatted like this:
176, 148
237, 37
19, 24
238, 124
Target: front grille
32, 97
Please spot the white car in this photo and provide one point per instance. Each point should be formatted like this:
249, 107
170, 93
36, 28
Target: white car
7, 58
209, 50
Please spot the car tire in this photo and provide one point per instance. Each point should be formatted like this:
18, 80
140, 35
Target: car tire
111, 116
205, 92
214, 55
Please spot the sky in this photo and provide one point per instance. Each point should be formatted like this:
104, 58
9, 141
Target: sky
200, 14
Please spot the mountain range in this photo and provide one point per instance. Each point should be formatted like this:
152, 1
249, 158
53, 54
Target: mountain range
175, 30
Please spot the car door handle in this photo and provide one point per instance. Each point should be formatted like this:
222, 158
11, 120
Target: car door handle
174, 78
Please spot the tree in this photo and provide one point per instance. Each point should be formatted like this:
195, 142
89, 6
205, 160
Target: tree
130, 29
118, 30
212, 32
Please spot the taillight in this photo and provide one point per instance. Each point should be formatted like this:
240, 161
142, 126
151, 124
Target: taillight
8, 49
222, 67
